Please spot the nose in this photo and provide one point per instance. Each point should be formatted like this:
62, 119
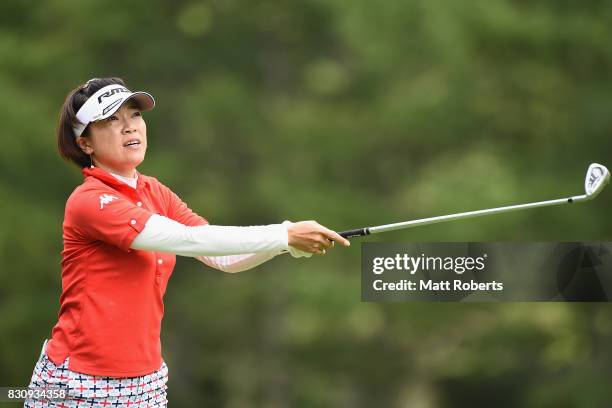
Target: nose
129, 128
129, 124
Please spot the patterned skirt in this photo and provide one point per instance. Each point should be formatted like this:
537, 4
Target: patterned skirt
82, 390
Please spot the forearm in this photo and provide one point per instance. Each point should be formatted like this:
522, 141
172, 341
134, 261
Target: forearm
162, 234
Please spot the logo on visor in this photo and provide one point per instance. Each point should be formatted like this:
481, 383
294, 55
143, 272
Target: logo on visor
106, 199
111, 93
111, 106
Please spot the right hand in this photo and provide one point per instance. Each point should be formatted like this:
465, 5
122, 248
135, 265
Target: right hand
312, 237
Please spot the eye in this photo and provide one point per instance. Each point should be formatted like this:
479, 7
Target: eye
137, 113
110, 118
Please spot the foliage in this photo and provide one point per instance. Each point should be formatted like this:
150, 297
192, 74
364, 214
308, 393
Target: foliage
351, 113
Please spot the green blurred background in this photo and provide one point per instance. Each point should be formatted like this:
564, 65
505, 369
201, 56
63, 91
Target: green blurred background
351, 113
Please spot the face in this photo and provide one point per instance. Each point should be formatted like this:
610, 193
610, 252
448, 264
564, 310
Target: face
118, 143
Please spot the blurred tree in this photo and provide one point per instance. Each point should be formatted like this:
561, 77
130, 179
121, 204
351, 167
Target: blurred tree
351, 113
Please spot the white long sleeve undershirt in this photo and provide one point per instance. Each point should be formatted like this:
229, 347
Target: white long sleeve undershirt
237, 263
230, 249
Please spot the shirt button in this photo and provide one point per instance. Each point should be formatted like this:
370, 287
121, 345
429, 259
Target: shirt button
133, 222
160, 261
139, 204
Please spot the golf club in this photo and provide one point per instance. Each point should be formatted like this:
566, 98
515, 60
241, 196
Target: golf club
596, 178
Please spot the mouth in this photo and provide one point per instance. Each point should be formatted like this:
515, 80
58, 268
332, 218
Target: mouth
132, 143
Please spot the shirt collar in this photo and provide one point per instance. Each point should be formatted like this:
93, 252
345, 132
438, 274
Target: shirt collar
111, 180
130, 181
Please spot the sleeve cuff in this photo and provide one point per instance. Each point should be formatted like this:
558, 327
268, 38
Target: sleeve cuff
285, 233
137, 223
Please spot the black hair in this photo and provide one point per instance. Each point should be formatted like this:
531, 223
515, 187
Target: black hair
66, 140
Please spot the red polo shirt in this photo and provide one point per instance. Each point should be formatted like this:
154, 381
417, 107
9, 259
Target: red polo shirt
111, 305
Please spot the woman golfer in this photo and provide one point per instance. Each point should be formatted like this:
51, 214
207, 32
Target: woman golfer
121, 233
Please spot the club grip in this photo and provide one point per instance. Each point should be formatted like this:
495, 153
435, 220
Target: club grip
359, 232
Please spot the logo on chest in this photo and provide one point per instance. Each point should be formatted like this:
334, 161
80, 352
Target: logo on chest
106, 199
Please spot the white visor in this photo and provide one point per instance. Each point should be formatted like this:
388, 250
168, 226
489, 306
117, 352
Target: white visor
106, 102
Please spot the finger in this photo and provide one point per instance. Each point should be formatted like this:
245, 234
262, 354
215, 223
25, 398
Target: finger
317, 249
326, 243
334, 236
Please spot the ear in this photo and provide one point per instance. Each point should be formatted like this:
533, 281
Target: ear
84, 144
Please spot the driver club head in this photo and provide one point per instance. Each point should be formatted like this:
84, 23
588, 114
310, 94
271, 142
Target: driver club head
596, 179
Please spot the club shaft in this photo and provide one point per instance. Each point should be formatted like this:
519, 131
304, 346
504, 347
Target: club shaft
457, 216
